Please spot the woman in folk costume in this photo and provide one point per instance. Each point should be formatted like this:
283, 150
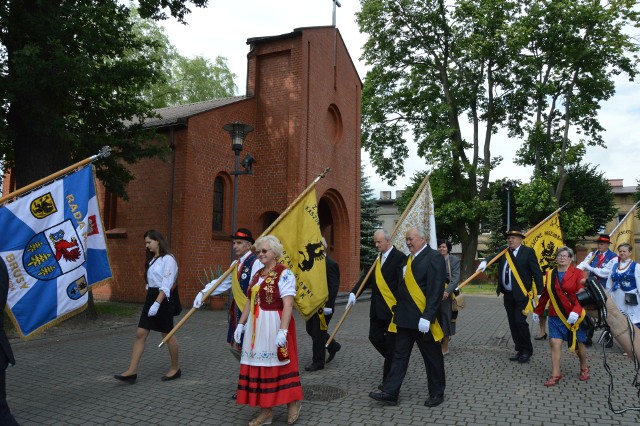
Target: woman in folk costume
447, 320
623, 283
269, 363
565, 313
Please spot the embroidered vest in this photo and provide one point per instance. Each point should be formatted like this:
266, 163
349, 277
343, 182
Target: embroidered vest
626, 280
245, 272
269, 294
608, 255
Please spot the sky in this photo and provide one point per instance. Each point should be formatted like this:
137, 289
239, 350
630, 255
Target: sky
223, 28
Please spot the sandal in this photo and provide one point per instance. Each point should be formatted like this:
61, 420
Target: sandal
294, 418
262, 420
553, 380
584, 374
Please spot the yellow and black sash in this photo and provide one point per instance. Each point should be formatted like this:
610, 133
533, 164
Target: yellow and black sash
532, 295
420, 300
555, 296
387, 294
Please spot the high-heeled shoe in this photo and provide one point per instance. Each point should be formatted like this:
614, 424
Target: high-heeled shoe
553, 380
584, 374
294, 418
543, 337
131, 378
175, 376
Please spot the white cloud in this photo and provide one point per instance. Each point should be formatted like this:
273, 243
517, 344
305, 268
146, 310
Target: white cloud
223, 28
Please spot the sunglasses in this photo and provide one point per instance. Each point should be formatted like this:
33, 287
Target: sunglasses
263, 251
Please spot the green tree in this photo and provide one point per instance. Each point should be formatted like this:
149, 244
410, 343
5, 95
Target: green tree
73, 74
185, 80
368, 222
574, 49
587, 197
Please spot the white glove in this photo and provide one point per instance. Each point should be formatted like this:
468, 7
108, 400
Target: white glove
153, 310
482, 266
352, 300
423, 325
237, 335
281, 338
573, 317
328, 311
535, 317
197, 302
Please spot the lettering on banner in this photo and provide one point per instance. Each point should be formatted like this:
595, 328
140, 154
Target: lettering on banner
77, 214
15, 271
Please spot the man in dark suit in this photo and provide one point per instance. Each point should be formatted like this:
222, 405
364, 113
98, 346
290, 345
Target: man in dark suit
317, 325
419, 296
6, 354
383, 296
515, 300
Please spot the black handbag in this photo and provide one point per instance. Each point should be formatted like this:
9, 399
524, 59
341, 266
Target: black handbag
631, 299
175, 300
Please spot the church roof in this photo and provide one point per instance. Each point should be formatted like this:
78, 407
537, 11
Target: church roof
171, 116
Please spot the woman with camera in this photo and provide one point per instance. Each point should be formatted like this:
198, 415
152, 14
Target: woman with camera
623, 282
565, 313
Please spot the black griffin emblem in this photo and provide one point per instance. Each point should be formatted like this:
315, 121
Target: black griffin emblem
313, 252
548, 256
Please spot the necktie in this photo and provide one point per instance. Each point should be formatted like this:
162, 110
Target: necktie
382, 259
600, 259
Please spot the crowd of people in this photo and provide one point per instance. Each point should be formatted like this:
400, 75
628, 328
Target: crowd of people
411, 304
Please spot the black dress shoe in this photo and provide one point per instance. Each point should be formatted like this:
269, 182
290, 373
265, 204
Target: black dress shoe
332, 354
524, 358
515, 357
543, 337
131, 378
314, 367
384, 397
380, 386
175, 376
434, 401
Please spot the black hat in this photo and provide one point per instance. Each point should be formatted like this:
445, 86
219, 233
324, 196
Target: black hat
243, 234
604, 238
514, 231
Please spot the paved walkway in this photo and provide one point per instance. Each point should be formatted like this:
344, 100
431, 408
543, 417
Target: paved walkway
67, 380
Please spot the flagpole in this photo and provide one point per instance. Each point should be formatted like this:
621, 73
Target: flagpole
266, 232
193, 309
366, 278
497, 256
623, 219
104, 152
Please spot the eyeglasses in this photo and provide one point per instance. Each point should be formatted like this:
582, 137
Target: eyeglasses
562, 256
264, 251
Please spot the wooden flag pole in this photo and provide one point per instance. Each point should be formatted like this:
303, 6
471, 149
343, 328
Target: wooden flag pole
395, 228
223, 276
103, 153
623, 219
192, 310
497, 256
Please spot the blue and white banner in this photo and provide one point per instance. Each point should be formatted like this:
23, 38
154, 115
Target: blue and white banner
52, 242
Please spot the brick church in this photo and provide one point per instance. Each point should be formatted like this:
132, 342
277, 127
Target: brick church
303, 99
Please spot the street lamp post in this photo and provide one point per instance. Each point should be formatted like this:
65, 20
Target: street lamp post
238, 132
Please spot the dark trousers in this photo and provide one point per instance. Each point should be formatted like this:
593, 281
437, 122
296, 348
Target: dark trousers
6, 418
320, 338
383, 340
518, 324
431, 352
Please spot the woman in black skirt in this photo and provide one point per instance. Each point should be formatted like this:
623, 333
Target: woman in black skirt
161, 271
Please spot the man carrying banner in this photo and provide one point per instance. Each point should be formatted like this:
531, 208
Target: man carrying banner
384, 286
597, 262
247, 265
520, 280
417, 312
318, 324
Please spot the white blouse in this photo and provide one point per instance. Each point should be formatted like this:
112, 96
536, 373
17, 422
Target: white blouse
162, 273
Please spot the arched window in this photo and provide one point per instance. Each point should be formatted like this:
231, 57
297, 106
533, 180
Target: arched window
218, 204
